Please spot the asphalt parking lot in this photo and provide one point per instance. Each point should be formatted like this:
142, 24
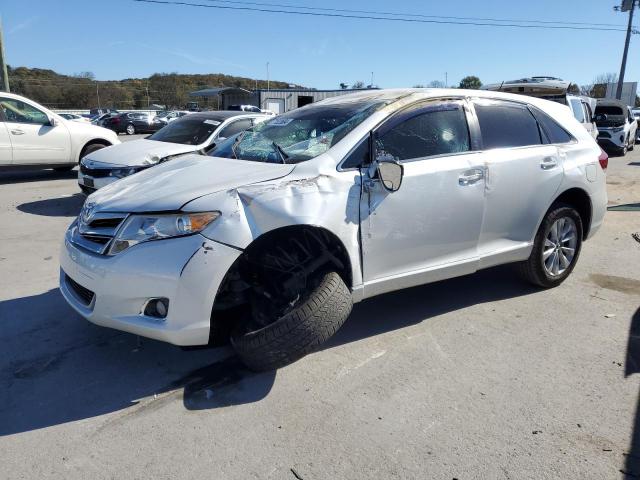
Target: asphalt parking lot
481, 377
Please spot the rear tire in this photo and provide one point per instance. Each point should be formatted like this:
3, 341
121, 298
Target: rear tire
131, 130
536, 269
300, 331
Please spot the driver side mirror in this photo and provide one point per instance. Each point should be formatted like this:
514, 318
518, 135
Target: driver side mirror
390, 174
53, 121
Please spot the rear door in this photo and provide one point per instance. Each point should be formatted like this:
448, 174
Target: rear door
34, 139
523, 176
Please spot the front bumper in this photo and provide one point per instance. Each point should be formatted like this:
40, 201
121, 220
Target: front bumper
94, 183
112, 291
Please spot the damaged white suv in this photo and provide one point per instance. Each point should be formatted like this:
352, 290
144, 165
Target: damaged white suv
331, 204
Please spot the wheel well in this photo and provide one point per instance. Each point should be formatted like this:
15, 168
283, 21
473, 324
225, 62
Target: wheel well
97, 141
321, 249
578, 199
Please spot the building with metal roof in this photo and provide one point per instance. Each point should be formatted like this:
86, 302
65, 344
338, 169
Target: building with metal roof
275, 100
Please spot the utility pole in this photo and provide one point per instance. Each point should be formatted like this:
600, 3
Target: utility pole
147, 88
98, 92
626, 5
446, 79
4, 85
267, 76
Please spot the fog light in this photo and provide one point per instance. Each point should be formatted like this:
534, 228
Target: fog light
157, 307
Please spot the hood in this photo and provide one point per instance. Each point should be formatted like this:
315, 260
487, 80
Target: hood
90, 130
170, 185
138, 152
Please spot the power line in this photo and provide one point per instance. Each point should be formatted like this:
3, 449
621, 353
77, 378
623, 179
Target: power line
400, 14
373, 17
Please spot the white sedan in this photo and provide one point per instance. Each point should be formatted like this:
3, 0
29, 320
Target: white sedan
190, 133
31, 136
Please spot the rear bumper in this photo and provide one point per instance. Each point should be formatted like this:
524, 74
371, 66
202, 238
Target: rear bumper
113, 291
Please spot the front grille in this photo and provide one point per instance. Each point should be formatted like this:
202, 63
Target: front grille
95, 172
84, 294
604, 135
96, 235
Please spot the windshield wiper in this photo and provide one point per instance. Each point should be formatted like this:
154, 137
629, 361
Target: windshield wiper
281, 152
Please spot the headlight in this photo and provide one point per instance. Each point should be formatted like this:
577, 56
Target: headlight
617, 129
144, 228
122, 172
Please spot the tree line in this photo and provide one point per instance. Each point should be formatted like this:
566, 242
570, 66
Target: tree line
83, 91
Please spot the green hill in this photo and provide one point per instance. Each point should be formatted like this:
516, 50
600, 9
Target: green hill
81, 91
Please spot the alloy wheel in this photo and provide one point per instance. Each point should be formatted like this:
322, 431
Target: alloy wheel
560, 246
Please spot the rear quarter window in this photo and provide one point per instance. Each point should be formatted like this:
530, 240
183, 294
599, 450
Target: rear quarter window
551, 130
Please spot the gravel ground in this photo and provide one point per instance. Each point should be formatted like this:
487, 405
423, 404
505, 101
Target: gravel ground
477, 377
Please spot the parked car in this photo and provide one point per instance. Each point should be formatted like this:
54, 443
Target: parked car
33, 137
618, 129
133, 122
170, 115
193, 132
100, 118
583, 109
74, 117
244, 108
329, 204
94, 112
636, 114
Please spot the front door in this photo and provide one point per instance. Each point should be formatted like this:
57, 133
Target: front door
6, 154
429, 228
34, 139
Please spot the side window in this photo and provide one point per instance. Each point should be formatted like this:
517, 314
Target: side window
359, 156
505, 124
578, 112
235, 127
432, 130
20, 112
553, 132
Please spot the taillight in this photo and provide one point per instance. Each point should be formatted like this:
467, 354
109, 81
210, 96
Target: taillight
603, 159
115, 120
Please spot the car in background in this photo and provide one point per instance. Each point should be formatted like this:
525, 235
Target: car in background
583, 110
96, 112
33, 137
133, 122
618, 129
170, 115
244, 108
101, 117
636, 114
191, 133
74, 117
330, 204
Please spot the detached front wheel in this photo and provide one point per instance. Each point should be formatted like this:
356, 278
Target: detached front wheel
312, 321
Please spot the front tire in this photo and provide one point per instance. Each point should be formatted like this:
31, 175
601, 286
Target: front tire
300, 331
131, 130
556, 248
91, 148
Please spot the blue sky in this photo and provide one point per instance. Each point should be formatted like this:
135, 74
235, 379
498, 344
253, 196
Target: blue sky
120, 38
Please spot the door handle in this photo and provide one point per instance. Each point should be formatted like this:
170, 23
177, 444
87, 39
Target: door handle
548, 163
17, 132
470, 177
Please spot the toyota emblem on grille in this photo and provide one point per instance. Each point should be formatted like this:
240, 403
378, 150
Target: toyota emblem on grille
87, 212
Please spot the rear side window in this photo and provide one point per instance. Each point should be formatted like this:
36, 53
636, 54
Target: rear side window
427, 131
552, 132
578, 112
507, 125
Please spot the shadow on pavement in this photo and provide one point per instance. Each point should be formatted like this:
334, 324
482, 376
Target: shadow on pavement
55, 207
414, 305
57, 368
632, 365
25, 176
